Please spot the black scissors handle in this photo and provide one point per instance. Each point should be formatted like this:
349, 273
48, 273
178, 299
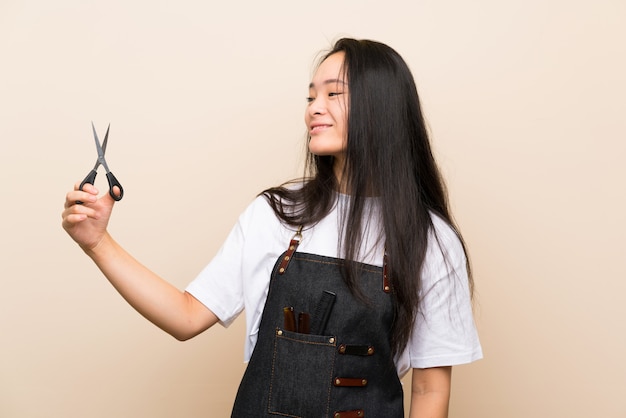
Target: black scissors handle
91, 178
113, 182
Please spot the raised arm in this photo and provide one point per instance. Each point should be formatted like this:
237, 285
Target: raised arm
174, 311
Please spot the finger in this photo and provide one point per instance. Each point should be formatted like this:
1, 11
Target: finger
116, 191
75, 209
79, 196
87, 187
73, 218
73, 198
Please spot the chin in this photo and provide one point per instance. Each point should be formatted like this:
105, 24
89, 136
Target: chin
320, 150
324, 153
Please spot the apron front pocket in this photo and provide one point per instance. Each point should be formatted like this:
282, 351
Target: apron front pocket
302, 374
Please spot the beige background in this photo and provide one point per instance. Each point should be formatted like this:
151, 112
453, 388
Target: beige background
524, 99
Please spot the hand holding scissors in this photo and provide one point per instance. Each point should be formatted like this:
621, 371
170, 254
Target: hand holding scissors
91, 177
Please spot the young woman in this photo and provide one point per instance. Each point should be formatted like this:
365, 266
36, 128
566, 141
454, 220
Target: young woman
350, 277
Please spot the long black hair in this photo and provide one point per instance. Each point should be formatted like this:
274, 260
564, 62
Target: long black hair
388, 155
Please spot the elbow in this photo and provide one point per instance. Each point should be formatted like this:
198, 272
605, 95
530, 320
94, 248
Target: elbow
195, 320
183, 335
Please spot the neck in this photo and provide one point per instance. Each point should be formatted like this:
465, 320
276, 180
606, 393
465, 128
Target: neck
342, 181
338, 167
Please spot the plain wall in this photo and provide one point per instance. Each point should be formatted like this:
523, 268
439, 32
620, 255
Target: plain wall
525, 102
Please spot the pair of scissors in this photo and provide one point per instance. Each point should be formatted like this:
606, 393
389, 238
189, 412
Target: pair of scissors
91, 177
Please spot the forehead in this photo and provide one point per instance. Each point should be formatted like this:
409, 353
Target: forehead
330, 70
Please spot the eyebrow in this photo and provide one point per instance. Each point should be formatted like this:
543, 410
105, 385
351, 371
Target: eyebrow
330, 81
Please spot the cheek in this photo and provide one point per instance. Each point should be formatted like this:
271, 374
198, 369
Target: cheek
342, 116
344, 125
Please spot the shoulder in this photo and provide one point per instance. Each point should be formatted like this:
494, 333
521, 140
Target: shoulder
260, 225
259, 208
445, 262
444, 243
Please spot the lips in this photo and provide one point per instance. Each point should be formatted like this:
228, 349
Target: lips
318, 127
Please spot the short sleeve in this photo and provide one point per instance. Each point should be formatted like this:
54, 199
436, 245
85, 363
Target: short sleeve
219, 286
445, 333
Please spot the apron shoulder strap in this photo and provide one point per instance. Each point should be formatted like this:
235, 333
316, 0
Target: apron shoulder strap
293, 246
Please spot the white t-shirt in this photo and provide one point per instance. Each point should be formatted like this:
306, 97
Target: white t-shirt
238, 279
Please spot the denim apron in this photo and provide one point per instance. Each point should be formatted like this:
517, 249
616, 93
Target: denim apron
339, 365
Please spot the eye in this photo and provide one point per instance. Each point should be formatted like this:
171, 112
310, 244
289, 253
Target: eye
335, 93
310, 99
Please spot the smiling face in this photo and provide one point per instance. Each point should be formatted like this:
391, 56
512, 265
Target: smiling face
326, 115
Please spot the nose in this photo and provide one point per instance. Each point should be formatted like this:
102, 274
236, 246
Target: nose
317, 106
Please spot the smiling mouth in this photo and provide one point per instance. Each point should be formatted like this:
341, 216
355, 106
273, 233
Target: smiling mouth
318, 128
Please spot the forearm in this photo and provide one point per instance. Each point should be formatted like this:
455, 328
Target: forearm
429, 405
430, 392
172, 310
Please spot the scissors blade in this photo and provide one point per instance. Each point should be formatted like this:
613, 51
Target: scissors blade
106, 140
101, 148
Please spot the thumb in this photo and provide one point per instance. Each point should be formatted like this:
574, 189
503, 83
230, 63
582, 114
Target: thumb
116, 193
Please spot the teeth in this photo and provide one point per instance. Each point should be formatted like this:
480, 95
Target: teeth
318, 127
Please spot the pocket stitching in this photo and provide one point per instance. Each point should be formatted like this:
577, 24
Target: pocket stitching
327, 343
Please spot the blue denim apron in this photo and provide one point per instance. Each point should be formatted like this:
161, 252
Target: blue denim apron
340, 369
